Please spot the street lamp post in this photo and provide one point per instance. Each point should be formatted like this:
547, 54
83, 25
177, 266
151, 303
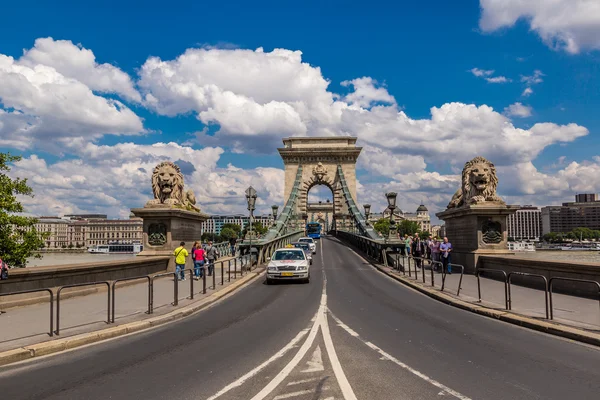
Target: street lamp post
251, 199
274, 208
367, 208
391, 198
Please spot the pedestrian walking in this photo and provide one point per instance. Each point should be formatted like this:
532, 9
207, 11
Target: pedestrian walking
232, 243
406, 245
3, 270
180, 254
199, 256
212, 254
435, 252
418, 249
446, 249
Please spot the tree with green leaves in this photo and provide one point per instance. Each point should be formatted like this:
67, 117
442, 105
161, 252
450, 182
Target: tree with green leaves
425, 235
235, 227
227, 234
19, 239
382, 226
406, 227
257, 227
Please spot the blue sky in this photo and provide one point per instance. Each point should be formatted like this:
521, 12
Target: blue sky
421, 54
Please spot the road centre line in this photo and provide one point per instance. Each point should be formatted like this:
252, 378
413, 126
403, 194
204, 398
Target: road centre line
393, 359
320, 322
335, 362
272, 385
256, 370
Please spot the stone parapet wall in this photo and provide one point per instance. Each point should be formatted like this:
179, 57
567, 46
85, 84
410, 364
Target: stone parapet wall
56, 276
549, 269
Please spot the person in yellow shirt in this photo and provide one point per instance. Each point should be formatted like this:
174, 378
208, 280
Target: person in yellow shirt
180, 254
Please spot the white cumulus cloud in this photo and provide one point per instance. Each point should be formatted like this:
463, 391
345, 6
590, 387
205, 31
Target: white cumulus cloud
41, 104
75, 61
518, 110
527, 92
570, 25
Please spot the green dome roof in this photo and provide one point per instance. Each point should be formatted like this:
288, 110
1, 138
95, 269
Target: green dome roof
422, 208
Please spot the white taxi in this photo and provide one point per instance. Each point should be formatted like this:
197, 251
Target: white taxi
289, 263
311, 243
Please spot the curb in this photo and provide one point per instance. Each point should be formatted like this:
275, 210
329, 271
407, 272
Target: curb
72, 342
567, 332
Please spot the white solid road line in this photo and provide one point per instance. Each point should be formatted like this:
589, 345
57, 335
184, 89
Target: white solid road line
256, 370
335, 362
294, 361
445, 389
320, 322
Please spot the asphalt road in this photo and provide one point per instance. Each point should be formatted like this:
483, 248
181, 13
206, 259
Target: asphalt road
351, 333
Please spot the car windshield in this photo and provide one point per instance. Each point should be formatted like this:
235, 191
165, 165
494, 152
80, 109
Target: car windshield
288, 255
303, 246
306, 240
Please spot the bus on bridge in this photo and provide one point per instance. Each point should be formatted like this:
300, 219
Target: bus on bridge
313, 230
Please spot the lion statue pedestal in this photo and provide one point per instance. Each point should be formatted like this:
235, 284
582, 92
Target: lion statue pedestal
171, 217
475, 219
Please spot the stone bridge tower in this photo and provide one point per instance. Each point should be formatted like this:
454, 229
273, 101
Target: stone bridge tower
320, 157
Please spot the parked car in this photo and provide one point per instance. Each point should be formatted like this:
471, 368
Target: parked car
307, 251
311, 243
288, 264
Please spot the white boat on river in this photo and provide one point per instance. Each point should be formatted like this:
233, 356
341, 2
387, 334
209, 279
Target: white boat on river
132, 248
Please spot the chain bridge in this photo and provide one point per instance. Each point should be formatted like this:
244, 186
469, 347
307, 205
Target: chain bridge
312, 161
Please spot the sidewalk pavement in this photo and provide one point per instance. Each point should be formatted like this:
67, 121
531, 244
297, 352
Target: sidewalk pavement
568, 310
27, 325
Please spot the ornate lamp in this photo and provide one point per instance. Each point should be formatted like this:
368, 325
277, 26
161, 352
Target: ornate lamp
367, 208
391, 198
274, 208
251, 199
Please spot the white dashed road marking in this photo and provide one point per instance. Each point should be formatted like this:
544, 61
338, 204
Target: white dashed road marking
445, 389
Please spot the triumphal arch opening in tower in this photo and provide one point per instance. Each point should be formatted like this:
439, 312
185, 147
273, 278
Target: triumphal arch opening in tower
328, 161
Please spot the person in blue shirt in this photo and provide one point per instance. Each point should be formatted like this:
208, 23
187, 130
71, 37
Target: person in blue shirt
446, 249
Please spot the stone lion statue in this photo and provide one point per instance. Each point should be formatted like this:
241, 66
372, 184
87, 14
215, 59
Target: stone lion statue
479, 184
168, 188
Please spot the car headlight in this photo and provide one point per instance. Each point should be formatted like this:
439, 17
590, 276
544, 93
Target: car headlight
302, 268
272, 269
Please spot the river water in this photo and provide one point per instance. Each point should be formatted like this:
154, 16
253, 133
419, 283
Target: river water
75, 258
79, 258
561, 256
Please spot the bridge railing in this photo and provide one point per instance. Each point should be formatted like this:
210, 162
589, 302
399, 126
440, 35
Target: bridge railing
375, 249
261, 249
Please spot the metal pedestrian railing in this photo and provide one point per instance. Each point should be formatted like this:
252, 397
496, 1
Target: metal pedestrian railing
60, 289
444, 273
511, 274
51, 332
175, 288
558, 278
114, 293
478, 273
239, 264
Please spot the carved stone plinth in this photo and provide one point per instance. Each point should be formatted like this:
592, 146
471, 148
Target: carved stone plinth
476, 230
165, 228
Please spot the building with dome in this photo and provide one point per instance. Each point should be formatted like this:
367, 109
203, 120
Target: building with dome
421, 217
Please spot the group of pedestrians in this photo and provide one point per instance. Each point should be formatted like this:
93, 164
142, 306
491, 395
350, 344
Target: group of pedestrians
433, 250
202, 255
